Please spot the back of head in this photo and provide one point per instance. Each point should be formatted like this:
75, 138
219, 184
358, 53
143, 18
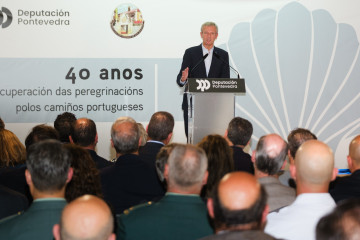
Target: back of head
354, 151
239, 131
48, 163
160, 126
12, 151
239, 203
220, 161
87, 217
63, 124
39, 133
125, 135
83, 132
187, 167
314, 163
341, 224
86, 177
162, 159
270, 154
143, 134
297, 137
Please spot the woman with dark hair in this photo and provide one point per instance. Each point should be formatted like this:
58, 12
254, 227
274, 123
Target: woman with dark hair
86, 177
220, 160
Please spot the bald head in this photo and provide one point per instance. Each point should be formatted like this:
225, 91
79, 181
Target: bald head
270, 154
83, 132
87, 217
239, 202
314, 162
354, 151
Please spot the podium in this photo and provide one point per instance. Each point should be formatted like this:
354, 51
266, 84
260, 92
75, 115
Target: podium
211, 105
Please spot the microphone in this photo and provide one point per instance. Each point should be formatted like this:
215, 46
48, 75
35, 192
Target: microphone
197, 64
218, 56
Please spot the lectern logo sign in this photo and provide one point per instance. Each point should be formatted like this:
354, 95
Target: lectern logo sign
5, 22
203, 85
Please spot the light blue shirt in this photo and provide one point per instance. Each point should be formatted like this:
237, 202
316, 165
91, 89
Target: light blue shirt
208, 59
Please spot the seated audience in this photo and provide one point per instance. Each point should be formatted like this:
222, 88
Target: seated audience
313, 171
11, 202
48, 172
63, 124
86, 177
181, 214
269, 158
161, 160
130, 181
343, 223
238, 207
87, 217
238, 135
220, 161
349, 186
83, 133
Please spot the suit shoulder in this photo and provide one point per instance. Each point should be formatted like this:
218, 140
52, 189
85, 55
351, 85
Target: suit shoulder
135, 209
220, 51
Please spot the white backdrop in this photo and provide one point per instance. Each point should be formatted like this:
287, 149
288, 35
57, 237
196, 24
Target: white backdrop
299, 60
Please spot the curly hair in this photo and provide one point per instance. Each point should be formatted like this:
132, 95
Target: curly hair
86, 177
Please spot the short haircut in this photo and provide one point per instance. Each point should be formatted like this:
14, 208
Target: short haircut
2, 124
343, 223
39, 133
266, 163
162, 159
233, 218
240, 131
48, 163
297, 137
63, 123
126, 140
187, 166
84, 133
208, 24
160, 126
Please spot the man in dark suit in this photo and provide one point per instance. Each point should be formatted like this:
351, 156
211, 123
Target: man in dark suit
238, 136
48, 172
159, 131
215, 65
348, 187
239, 208
130, 181
181, 214
83, 133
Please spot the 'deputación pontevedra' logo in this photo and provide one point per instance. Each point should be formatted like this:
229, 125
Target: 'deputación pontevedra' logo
5, 21
203, 84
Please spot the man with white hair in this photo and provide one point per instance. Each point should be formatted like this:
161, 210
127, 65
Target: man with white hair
313, 171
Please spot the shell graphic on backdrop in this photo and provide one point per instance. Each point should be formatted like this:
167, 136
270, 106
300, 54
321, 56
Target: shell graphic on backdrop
301, 69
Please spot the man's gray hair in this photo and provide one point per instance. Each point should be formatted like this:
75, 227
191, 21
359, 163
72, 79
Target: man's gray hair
125, 140
208, 24
187, 166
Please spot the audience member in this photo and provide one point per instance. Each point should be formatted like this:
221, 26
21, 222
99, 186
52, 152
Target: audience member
343, 223
269, 158
348, 186
239, 208
63, 124
48, 172
83, 133
130, 180
87, 217
295, 138
238, 135
220, 161
161, 160
39, 133
143, 135
11, 202
2, 124
181, 214
86, 177
313, 171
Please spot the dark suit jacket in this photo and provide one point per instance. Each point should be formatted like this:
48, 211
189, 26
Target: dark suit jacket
242, 160
14, 178
99, 161
175, 217
11, 202
35, 223
149, 151
244, 235
346, 187
130, 181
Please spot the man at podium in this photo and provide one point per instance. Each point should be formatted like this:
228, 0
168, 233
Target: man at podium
203, 61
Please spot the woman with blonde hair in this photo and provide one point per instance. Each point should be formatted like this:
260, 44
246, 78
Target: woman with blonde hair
12, 151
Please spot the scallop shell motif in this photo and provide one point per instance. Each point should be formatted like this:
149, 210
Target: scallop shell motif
301, 69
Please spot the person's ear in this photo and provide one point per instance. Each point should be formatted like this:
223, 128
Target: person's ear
334, 174
112, 143
350, 163
71, 140
253, 155
70, 174
210, 207
166, 172
205, 178
292, 169
264, 214
96, 138
56, 231
112, 236
28, 177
